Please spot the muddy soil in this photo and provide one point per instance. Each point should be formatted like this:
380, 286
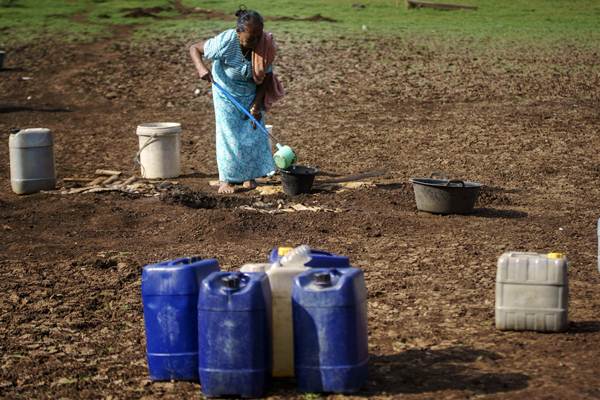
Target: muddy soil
524, 122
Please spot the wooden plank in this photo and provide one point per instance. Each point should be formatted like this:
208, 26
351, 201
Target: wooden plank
77, 179
97, 181
107, 172
103, 189
112, 179
438, 6
129, 180
81, 190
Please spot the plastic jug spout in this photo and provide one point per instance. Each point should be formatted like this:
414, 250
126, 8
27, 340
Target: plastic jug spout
297, 257
323, 279
231, 282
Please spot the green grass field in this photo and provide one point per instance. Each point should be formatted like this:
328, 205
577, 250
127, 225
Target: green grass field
543, 22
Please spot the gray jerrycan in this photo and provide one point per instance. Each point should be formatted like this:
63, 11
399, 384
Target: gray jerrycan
31, 160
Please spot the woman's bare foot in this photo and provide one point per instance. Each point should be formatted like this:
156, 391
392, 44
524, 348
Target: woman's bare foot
226, 188
251, 184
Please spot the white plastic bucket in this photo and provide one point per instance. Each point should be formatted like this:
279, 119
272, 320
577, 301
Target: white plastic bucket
159, 148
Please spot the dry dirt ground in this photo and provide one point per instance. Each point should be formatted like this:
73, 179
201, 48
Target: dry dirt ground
523, 121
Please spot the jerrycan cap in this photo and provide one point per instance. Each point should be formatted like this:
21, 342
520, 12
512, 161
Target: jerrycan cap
231, 282
323, 279
555, 255
282, 251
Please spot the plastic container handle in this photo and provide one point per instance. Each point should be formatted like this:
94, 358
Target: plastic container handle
456, 181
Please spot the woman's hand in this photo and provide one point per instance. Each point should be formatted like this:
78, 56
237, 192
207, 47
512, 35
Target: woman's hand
206, 76
255, 111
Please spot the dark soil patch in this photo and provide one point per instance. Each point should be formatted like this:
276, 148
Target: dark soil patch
186, 197
139, 12
312, 18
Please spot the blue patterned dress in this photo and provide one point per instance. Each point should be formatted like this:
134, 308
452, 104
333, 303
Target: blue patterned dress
243, 153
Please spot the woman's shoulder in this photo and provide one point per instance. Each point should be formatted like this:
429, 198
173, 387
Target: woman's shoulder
220, 45
226, 37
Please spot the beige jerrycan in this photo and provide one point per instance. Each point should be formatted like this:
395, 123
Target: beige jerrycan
281, 275
255, 267
532, 292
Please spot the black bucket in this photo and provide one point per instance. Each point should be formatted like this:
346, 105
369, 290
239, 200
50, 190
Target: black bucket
443, 196
297, 179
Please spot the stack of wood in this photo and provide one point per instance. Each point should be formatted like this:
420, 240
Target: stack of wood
105, 181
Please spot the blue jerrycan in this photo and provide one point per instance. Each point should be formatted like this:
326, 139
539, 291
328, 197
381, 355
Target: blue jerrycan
170, 298
329, 309
319, 258
234, 334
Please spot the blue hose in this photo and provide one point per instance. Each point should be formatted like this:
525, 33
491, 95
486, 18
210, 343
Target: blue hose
243, 109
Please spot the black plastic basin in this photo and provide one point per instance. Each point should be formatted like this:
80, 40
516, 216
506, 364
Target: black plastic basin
443, 196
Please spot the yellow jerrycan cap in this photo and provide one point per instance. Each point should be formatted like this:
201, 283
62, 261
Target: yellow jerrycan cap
555, 255
282, 251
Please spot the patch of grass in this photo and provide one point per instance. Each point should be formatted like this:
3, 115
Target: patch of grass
504, 20
25, 20
502, 23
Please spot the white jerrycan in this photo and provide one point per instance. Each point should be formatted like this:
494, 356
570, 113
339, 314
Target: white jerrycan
281, 276
532, 292
31, 160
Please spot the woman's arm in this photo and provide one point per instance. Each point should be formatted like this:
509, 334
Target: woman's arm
196, 52
258, 103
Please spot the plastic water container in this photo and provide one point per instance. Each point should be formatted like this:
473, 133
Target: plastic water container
318, 258
159, 148
287, 264
282, 344
31, 161
532, 292
330, 330
281, 275
170, 298
234, 334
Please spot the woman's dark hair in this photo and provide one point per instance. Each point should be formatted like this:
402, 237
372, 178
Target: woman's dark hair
245, 16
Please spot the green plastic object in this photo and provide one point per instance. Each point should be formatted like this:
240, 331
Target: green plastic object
284, 157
